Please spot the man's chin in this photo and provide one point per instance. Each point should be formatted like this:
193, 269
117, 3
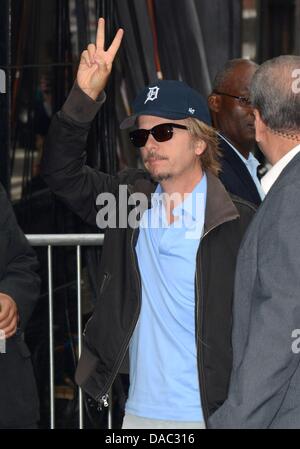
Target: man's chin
159, 177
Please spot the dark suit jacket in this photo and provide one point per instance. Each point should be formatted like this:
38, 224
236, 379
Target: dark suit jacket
235, 175
19, 405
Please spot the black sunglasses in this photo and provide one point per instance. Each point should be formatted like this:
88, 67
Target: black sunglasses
244, 101
161, 133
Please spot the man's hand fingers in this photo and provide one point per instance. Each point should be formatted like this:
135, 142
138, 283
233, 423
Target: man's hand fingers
4, 323
10, 335
8, 315
98, 61
91, 51
113, 49
10, 331
100, 39
85, 58
5, 309
10, 327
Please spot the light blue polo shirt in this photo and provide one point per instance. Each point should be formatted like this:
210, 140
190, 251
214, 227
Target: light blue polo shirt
164, 381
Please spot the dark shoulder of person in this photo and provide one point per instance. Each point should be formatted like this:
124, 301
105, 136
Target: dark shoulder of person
245, 208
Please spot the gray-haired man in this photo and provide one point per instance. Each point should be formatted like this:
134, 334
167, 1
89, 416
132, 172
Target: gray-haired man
264, 388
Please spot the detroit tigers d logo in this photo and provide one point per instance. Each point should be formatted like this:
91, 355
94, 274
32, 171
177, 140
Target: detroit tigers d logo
152, 94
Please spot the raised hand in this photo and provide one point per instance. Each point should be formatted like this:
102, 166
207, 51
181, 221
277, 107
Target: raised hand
96, 63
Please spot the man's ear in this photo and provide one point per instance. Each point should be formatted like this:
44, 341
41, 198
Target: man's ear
260, 126
200, 147
214, 102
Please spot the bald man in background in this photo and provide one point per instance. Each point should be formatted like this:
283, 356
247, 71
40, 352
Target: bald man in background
232, 115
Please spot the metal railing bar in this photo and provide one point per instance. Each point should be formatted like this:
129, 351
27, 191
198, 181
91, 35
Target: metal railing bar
65, 239
78, 240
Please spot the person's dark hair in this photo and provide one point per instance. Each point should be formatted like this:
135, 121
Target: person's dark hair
275, 93
226, 72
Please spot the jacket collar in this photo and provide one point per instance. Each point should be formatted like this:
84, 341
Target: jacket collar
219, 205
239, 168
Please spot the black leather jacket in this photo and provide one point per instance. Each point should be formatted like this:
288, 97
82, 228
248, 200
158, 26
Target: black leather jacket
108, 332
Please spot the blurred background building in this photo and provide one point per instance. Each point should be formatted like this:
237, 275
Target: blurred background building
40, 46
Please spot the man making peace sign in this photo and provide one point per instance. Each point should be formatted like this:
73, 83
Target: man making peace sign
166, 280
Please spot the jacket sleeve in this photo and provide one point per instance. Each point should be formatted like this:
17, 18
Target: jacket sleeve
63, 162
264, 362
18, 263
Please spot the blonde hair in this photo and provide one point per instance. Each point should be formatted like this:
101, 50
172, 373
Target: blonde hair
210, 159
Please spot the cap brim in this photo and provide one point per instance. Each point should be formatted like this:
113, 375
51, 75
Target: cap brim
128, 122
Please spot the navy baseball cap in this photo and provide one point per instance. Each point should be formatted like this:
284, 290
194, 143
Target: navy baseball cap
170, 99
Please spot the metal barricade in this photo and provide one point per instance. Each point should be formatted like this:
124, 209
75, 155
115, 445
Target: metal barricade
76, 240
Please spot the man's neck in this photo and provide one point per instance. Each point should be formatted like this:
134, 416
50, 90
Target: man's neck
244, 149
181, 186
279, 146
176, 189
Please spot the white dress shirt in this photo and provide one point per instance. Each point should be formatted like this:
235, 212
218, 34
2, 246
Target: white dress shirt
268, 180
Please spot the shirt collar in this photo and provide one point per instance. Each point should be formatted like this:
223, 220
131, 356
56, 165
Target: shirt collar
251, 159
190, 205
269, 179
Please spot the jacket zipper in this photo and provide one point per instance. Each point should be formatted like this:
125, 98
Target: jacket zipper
103, 398
105, 278
199, 322
103, 402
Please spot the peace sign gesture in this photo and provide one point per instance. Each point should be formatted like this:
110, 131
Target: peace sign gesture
96, 63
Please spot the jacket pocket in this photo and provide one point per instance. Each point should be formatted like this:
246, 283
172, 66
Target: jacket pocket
104, 283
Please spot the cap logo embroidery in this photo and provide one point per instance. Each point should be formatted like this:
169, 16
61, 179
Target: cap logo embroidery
152, 94
192, 111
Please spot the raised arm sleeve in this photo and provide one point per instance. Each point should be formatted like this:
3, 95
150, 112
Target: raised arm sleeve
63, 162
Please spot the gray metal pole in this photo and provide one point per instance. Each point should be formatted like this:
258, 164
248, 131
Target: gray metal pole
51, 340
197, 31
79, 328
110, 410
